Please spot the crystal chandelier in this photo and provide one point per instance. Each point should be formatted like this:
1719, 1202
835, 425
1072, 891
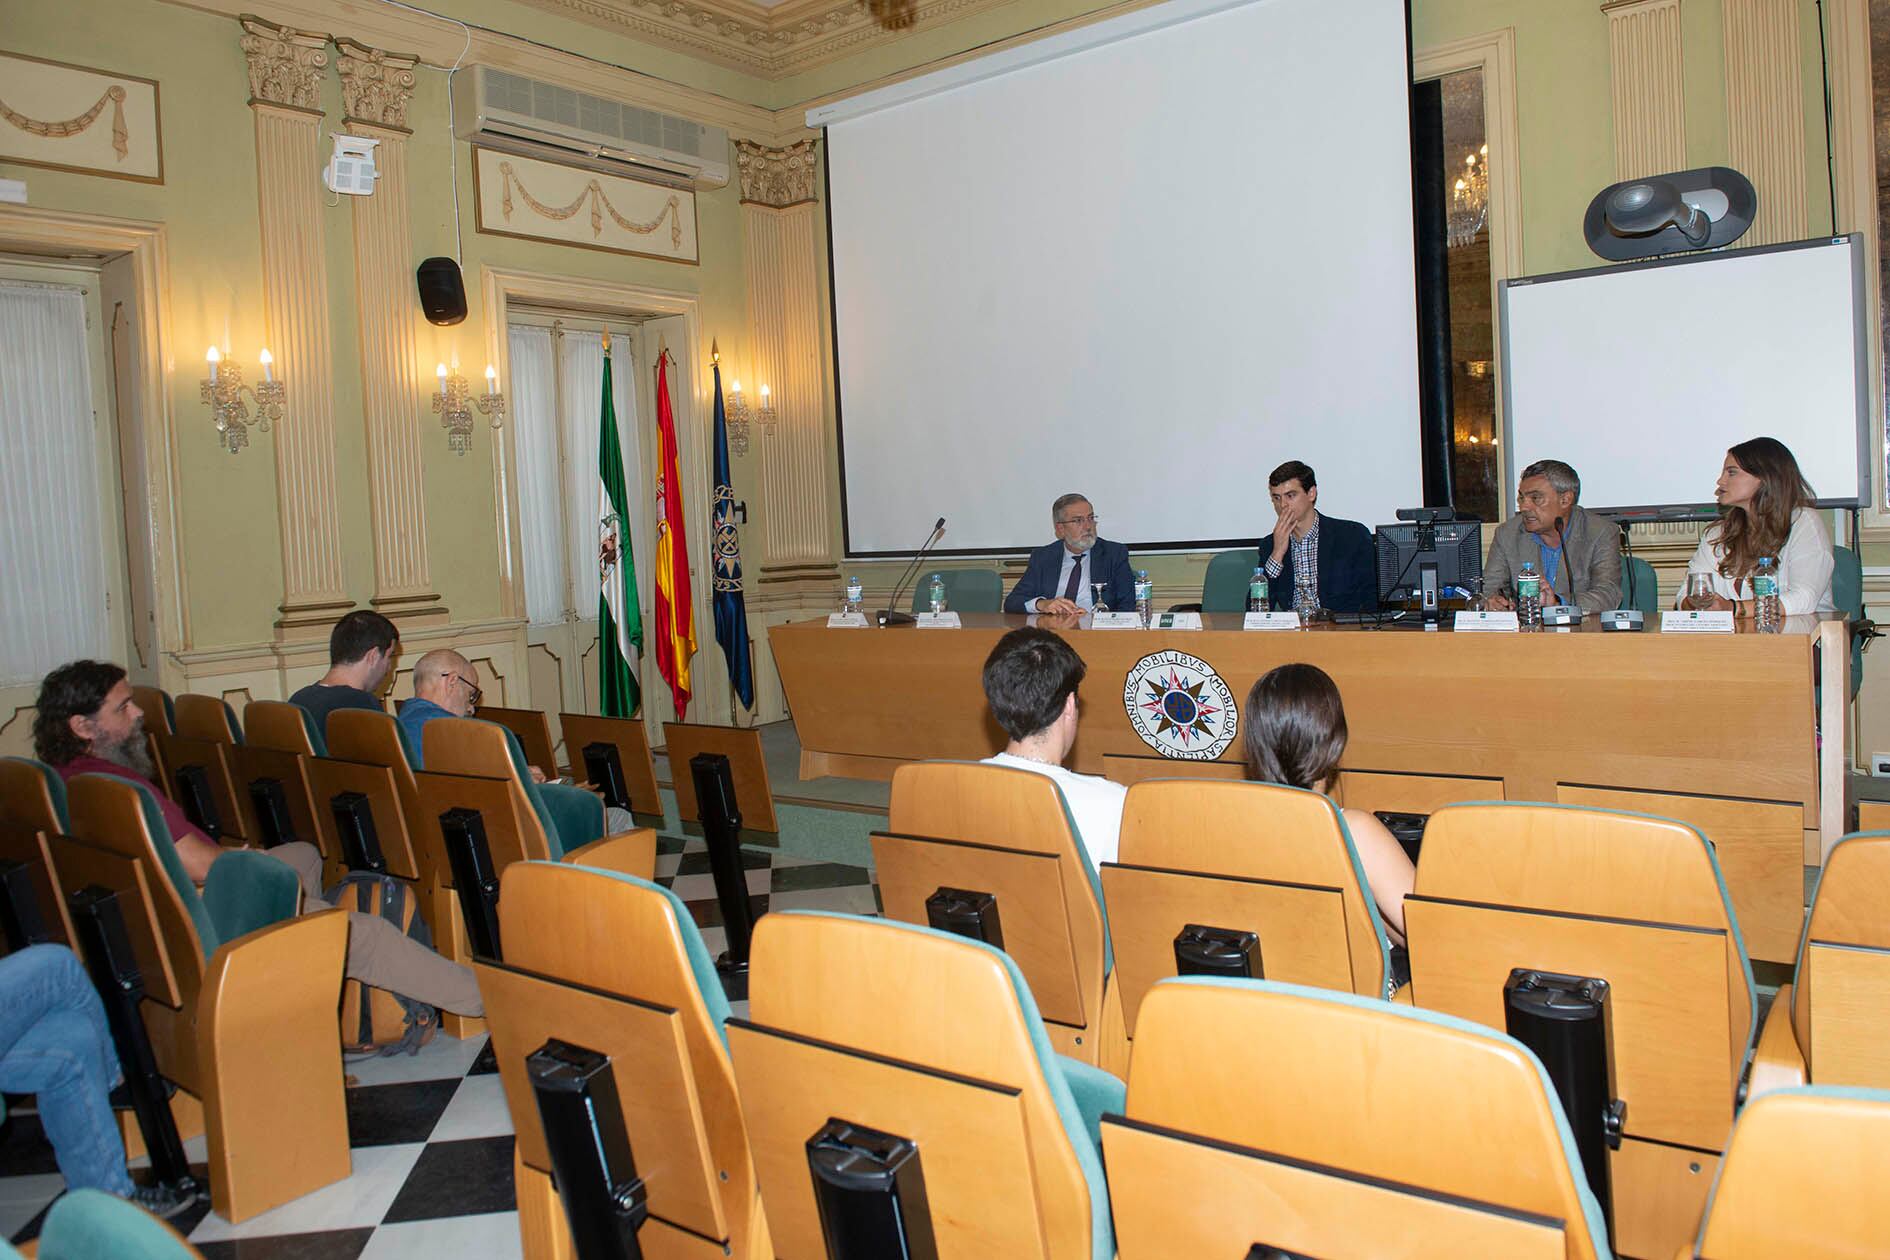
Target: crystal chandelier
1470, 199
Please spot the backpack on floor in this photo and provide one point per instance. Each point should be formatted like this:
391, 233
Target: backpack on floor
380, 1021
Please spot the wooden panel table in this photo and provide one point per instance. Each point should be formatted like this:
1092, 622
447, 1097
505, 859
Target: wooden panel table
1691, 726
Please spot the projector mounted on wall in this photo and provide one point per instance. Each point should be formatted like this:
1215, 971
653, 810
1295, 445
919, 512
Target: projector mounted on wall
351, 169
1705, 208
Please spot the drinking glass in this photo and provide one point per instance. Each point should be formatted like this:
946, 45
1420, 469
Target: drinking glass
1479, 602
1306, 601
1096, 590
1699, 590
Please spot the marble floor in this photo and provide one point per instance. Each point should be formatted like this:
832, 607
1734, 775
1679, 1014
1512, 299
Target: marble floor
431, 1138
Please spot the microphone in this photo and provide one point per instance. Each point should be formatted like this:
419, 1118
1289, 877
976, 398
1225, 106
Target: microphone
891, 616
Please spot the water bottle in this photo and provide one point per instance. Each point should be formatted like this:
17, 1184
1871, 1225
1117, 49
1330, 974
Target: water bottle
1144, 595
1257, 591
935, 593
1768, 615
853, 594
1529, 596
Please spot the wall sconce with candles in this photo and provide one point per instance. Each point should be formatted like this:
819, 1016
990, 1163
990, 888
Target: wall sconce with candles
738, 413
454, 402
223, 393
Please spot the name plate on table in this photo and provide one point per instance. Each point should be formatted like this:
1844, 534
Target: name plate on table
1503, 622
1115, 621
1270, 621
846, 621
1175, 621
1696, 621
938, 621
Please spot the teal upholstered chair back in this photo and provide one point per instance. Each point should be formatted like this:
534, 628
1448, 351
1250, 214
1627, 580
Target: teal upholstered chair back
570, 817
1847, 593
1225, 587
90, 1224
22, 778
966, 590
1639, 587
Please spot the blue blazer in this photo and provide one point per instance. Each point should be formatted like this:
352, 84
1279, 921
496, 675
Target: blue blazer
1108, 562
1348, 568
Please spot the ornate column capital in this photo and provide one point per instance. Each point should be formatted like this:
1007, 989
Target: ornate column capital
285, 65
376, 85
777, 177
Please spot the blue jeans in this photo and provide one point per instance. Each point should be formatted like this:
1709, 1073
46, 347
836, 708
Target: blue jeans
54, 1042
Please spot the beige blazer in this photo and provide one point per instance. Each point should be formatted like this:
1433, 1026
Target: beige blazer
1591, 557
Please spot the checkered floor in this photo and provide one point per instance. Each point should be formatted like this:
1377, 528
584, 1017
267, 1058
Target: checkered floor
432, 1140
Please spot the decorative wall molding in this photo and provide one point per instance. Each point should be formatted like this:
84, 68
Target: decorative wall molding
375, 85
1765, 123
286, 66
74, 118
1649, 93
777, 177
539, 200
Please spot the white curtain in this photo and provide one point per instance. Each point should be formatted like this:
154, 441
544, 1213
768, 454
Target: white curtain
534, 407
52, 570
582, 373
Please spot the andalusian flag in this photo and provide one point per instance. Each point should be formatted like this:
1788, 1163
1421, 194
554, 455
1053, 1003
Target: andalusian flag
619, 619
675, 613
731, 610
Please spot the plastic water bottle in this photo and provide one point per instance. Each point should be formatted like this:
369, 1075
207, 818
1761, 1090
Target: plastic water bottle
1768, 615
1529, 596
853, 594
1144, 593
1257, 591
935, 593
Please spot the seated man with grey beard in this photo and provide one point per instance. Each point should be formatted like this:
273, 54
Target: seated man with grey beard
87, 723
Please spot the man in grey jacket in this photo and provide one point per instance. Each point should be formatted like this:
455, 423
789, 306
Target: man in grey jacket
1578, 555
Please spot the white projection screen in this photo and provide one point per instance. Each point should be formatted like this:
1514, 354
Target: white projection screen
1147, 260
1642, 376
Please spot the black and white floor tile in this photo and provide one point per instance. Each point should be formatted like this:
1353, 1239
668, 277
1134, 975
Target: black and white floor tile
432, 1141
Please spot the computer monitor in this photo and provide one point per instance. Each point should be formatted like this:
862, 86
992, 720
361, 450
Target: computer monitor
1406, 551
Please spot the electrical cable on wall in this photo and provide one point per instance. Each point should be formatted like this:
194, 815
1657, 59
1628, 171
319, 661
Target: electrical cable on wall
451, 150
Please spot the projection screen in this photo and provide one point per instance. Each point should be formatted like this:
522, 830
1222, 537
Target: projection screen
1146, 260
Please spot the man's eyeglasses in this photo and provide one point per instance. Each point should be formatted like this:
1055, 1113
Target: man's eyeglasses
1091, 519
472, 687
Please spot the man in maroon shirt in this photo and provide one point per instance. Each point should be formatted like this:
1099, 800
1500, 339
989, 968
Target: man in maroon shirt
87, 723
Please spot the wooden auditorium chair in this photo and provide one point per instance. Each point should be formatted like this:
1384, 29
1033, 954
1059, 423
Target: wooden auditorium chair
1630, 899
206, 717
1268, 1116
631, 744
202, 776
868, 1034
962, 828
754, 798
280, 740
32, 812
375, 790
1803, 1177
1831, 1026
240, 994
534, 735
614, 965
160, 719
1233, 876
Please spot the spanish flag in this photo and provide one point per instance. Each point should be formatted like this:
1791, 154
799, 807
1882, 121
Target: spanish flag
675, 612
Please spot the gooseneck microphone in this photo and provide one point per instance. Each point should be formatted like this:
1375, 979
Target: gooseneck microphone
891, 615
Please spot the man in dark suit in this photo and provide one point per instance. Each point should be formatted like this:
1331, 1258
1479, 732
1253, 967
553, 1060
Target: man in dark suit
1060, 575
1336, 557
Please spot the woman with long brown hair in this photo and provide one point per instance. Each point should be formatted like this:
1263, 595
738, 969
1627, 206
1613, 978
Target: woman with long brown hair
1295, 735
1766, 509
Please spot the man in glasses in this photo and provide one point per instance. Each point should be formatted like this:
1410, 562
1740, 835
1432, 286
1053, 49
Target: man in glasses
1062, 576
444, 685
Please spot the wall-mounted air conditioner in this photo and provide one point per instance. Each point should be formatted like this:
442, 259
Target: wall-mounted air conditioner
502, 110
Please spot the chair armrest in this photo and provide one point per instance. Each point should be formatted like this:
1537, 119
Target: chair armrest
1095, 1092
627, 852
1777, 1062
246, 889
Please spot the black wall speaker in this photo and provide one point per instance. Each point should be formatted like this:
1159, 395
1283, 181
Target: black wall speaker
442, 291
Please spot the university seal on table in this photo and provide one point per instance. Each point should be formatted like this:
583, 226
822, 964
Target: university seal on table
1180, 706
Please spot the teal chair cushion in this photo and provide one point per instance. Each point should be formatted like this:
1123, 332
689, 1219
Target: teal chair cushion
247, 890
166, 846
1225, 587
55, 787
314, 732
701, 965
577, 816
89, 1224
966, 590
236, 727
1847, 594
1096, 1092
1076, 1126
1591, 1208
406, 746
1640, 588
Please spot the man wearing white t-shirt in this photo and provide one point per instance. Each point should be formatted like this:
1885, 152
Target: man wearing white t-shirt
1030, 679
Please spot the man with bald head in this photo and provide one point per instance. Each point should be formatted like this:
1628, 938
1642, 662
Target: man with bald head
444, 685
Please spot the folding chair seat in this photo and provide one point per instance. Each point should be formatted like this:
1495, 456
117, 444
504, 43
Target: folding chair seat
32, 812
1507, 892
954, 1071
754, 798
1803, 1177
240, 993
967, 831
1831, 1025
615, 966
1231, 877
1268, 1115
626, 738
88, 1224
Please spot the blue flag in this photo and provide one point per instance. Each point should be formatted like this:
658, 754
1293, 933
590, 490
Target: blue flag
731, 610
